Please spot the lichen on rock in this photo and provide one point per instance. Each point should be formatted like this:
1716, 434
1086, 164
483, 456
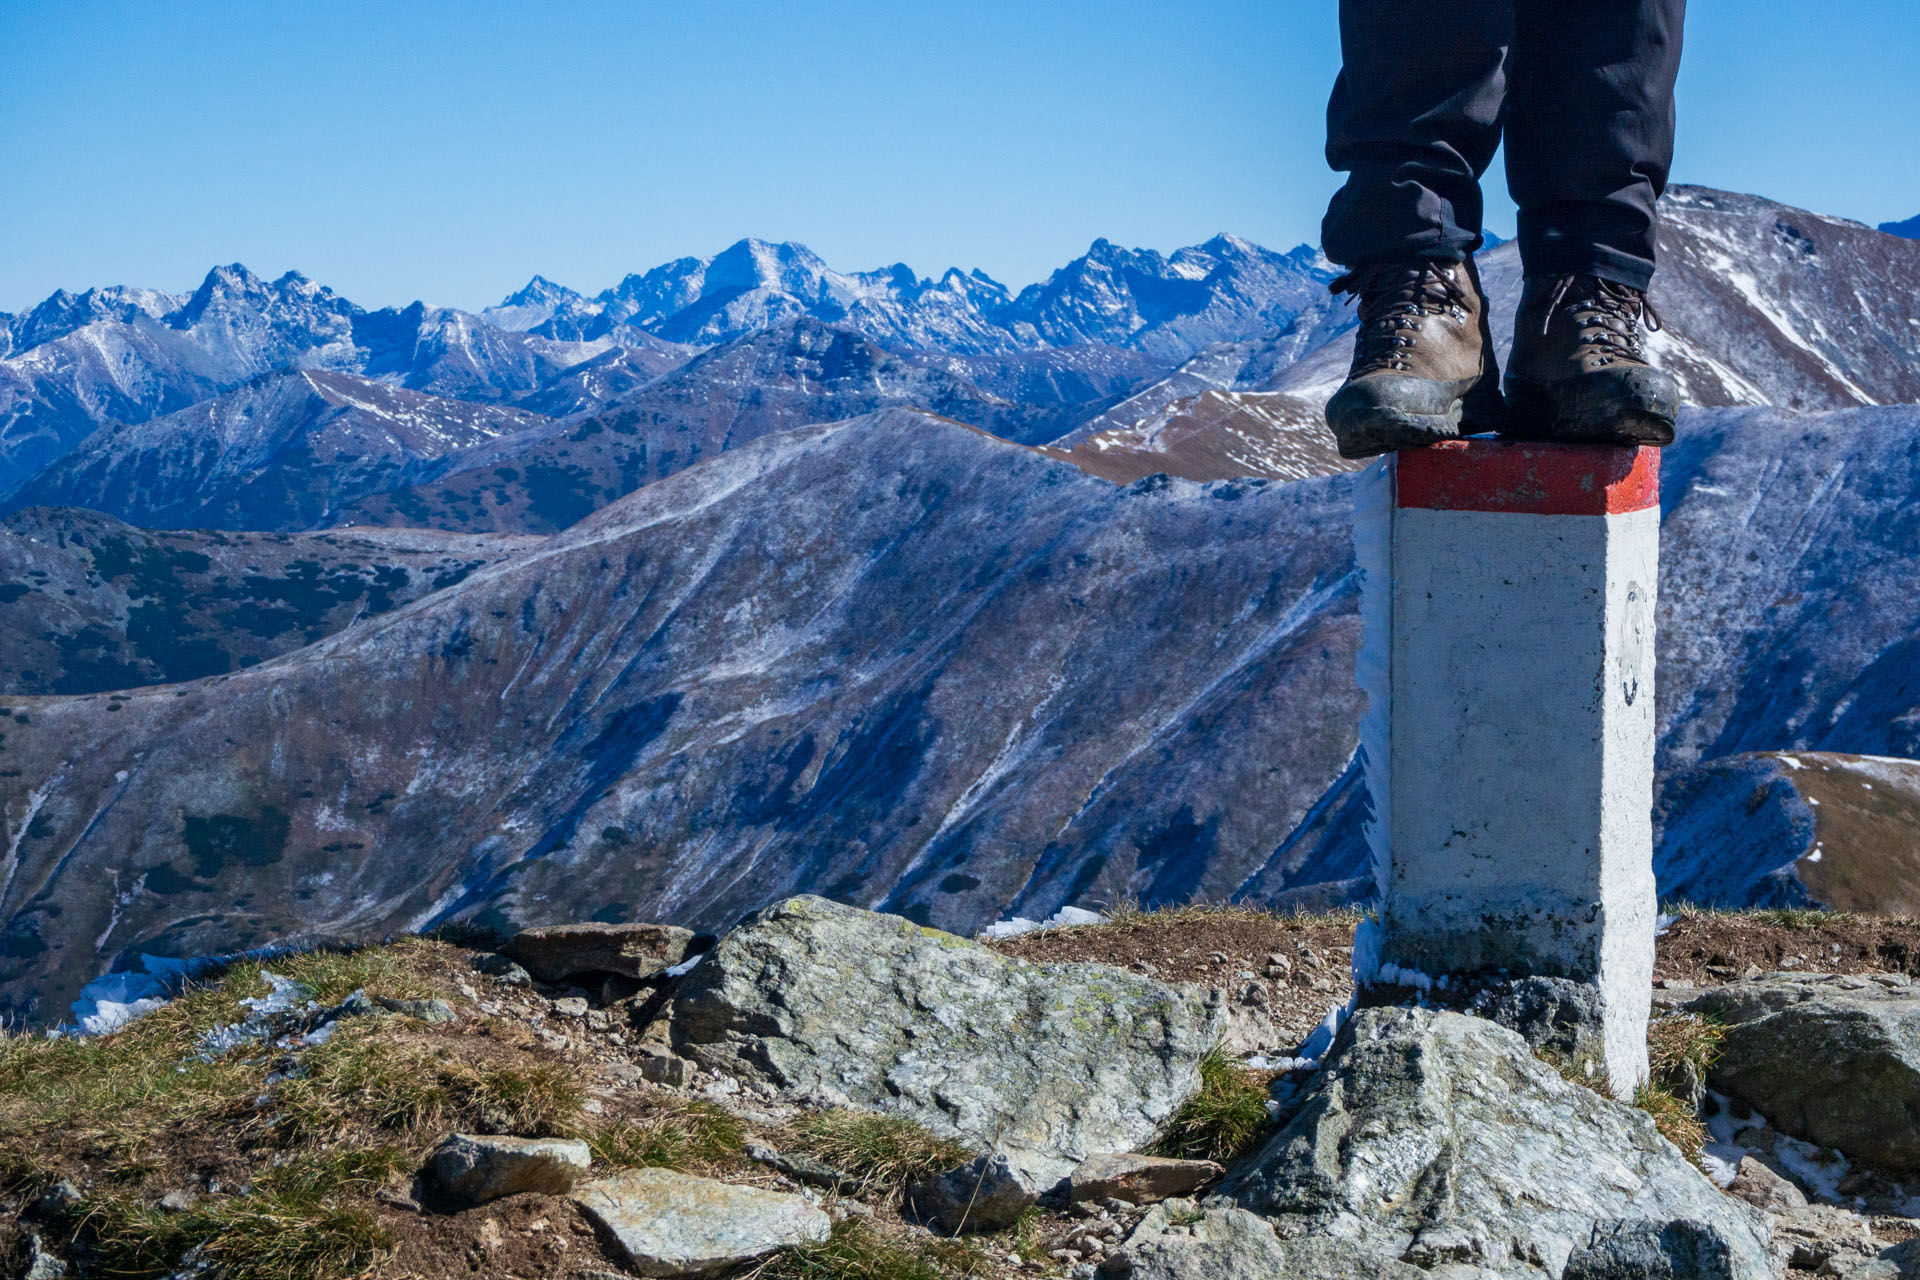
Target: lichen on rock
1046, 1064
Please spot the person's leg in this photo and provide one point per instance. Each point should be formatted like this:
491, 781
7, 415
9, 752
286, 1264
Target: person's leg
1589, 143
1414, 121
1589, 132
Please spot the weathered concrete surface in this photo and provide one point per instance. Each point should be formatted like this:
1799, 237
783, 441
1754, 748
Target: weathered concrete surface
1834, 1060
1047, 1064
556, 952
475, 1168
1439, 1138
674, 1224
1509, 661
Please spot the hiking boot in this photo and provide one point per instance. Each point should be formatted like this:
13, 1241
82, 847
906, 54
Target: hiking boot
1579, 368
1423, 363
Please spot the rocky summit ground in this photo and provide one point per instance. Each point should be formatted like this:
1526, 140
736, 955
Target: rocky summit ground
828, 1093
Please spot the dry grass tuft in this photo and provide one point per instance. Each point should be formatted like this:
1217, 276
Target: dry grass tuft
694, 1137
857, 1251
1681, 1047
876, 1151
259, 1237
1676, 1118
1129, 912
1224, 1120
364, 1076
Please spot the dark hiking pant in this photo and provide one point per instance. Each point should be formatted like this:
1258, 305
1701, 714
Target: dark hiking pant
1582, 90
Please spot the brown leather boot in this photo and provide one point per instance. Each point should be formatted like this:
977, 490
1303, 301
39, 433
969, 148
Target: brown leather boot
1579, 368
1423, 363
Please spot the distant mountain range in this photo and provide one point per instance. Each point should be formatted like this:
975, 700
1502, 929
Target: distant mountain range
730, 581
1910, 228
1760, 304
79, 361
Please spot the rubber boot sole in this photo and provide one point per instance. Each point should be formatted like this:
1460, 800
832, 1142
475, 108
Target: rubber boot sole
1632, 406
1376, 415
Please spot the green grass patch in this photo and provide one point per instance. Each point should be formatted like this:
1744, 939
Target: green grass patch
875, 1150
1225, 1119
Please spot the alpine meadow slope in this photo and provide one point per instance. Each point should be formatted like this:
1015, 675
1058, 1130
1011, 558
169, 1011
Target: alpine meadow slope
893, 660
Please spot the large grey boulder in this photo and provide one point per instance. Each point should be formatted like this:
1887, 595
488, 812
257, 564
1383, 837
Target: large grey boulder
668, 1223
471, 1169
1438, 1139
1833, 1060
1045, 1064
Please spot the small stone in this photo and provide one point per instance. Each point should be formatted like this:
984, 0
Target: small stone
570, 1007
1815, 1234
984, 1194
397, 1200
41, 1264
472, 1169
1764, 1189
1137, 1179
434, 1011
1254, 995
502, 970
666, 1068
61, 1196
804, 1169
668, 1223
179, 1200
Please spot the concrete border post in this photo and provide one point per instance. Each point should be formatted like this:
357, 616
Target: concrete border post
1508, 660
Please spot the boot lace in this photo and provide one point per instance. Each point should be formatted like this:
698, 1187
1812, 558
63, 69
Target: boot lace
1609, 316
1394, 301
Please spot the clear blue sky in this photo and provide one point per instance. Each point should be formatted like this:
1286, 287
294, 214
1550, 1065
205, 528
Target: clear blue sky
448, 151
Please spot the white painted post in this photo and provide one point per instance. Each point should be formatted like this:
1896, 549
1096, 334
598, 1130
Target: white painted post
1508, 659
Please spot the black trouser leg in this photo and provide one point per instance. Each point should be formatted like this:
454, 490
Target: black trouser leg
1585, 100
1590, 132
1415, 119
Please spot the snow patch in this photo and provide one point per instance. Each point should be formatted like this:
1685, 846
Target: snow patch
1065, 917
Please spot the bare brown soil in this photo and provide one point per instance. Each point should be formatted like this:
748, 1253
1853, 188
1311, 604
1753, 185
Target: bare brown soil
1224, 947
1712, 947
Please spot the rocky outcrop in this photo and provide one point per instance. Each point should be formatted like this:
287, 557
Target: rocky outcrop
674, 1224
554, 953
1180, 1240
1833, 1060
471, 1169
1045, 1064
1437, 1138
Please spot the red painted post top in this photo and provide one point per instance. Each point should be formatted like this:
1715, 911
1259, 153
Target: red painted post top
1527, 477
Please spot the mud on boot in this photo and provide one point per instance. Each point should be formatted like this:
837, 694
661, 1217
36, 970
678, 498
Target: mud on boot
1579, 370
1423, 364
